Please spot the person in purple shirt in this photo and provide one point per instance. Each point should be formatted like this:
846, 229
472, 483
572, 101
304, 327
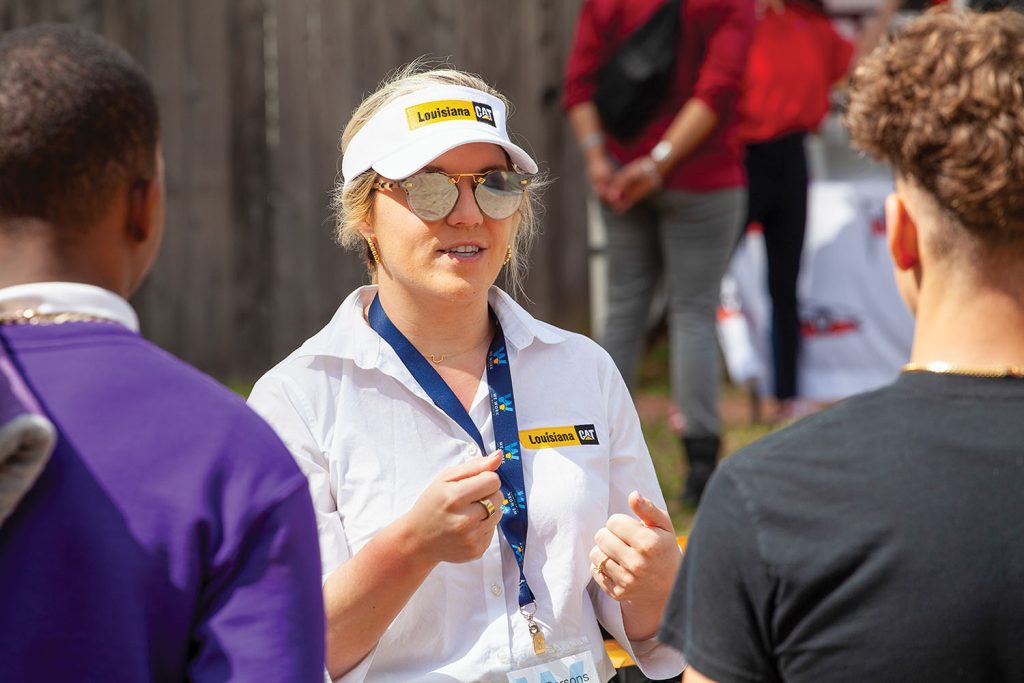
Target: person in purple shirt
170, 536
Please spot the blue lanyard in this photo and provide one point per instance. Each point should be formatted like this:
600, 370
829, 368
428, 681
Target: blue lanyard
514, 521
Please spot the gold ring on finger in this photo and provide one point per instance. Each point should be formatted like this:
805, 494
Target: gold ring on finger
489, 506
600, 567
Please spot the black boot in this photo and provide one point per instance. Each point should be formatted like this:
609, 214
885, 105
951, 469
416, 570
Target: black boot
702, 456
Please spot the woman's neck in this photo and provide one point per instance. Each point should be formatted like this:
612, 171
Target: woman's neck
439, 328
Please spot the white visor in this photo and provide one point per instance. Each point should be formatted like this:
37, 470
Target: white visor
413, 130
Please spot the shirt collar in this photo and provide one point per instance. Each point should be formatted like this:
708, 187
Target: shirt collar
521, 328
68, 297
348, 335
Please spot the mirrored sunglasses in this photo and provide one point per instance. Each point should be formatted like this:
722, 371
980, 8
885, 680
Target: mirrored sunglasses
432, 194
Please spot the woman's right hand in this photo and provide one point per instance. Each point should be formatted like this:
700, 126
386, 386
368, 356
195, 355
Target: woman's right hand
600, 170
448, 521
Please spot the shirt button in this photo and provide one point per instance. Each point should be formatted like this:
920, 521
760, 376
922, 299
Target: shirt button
496, 589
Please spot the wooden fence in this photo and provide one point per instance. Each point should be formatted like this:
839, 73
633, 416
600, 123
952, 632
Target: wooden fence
253, 95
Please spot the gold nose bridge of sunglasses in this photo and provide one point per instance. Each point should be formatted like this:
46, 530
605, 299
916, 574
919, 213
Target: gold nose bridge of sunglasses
453, 178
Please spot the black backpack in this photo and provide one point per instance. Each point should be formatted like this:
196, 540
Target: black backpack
633, 82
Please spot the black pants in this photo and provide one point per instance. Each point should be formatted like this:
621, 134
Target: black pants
777, 179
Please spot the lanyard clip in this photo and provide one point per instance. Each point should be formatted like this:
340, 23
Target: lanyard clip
539, 646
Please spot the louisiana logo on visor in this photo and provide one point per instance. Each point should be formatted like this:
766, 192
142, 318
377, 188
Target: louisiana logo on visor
448, 110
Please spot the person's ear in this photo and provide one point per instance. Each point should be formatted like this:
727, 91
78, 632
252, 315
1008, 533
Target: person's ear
902, 233
366, 230
144, 216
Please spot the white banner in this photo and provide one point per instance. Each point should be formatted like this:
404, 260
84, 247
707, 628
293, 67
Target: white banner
855, 330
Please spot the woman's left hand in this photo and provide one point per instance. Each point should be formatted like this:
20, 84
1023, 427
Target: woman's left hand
635, 559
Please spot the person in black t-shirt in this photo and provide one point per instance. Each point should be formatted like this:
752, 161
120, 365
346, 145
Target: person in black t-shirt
882, 540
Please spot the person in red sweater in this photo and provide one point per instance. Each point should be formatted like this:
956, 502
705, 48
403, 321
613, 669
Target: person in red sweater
673, 197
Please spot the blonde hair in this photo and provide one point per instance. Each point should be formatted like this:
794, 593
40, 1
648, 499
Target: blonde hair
352, 201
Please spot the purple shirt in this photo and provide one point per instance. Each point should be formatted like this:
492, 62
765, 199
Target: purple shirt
171, 535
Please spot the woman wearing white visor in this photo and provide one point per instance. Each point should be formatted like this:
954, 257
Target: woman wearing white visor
483, 491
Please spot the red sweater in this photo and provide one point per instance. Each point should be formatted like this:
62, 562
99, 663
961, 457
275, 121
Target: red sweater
709, 66
795, 59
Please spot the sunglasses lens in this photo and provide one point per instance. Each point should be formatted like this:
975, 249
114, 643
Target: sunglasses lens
501, 193
432, 196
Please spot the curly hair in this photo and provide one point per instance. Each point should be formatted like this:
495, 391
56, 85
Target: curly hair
943, 102
77, 117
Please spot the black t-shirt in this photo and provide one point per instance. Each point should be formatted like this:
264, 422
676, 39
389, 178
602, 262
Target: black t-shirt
881, 540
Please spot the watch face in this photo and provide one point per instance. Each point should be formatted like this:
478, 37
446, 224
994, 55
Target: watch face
661, 151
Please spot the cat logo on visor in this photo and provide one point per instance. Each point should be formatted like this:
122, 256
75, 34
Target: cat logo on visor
484, 113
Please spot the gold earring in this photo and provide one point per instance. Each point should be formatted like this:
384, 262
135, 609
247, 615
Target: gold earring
508, 255
373, 251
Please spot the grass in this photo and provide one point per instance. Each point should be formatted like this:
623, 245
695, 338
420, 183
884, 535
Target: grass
652, 397
241, 387
667, 454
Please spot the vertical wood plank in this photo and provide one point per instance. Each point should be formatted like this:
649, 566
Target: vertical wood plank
125, 24
293, 217
340, 90
334, 272
209, 245
187, 297
159, 300
250, 350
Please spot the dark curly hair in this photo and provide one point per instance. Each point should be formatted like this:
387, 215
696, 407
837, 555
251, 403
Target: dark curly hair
943, 102
77, 118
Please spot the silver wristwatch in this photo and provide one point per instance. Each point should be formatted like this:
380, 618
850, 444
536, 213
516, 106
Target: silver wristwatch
661, 151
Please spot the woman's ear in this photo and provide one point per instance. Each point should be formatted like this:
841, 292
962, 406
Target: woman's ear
366, 230
902, 233
366, 224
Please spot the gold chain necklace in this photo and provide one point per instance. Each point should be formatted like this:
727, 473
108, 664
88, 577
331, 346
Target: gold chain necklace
437, 359
30, 316
944, 368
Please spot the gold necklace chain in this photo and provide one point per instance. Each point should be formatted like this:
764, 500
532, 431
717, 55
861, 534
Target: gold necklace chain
30, 316
944, 368
437, 359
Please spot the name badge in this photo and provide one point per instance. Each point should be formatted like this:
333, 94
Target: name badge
578, 668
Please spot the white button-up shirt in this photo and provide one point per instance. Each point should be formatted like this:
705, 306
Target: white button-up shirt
370, 439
